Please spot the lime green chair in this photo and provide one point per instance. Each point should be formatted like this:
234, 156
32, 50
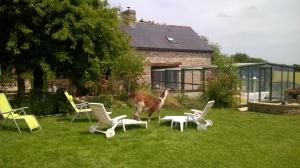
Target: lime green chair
81, 108
15, 114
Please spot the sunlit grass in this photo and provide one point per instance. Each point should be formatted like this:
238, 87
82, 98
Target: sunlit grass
297, 79
237, 139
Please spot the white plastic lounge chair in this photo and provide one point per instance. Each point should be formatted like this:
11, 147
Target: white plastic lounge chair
104, 119
197, 117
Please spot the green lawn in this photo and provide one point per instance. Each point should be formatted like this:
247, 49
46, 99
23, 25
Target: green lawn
297, 79
237, 139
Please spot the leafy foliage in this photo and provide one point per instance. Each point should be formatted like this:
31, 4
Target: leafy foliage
107, 100
244, 58
43, 103
127, 69
223, 87
77, 39
297, 66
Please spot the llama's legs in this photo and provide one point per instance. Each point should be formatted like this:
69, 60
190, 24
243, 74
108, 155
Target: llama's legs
135, 116
149, 116
158, 116
138, 110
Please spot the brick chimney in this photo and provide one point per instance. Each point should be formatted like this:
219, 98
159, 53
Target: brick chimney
128, 17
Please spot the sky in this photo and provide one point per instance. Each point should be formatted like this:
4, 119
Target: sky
267, 29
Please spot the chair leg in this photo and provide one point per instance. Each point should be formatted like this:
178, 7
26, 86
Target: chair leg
17, 125
74, 117
158, 117
40, 127
124, 129
172, 124
89, 117
181, 126
115, 125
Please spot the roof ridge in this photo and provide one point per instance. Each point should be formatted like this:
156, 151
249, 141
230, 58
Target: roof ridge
163, 24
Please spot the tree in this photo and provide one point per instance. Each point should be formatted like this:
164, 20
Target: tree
78, 39
244, 58
16, 37
297, 66
128, 68
223, 87
216, 52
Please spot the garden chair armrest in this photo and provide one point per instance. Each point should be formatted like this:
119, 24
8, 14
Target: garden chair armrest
196, 111
189, 114
108, 112
21, 109
82, 104
119, 117
192, 117
6, 112
10, 113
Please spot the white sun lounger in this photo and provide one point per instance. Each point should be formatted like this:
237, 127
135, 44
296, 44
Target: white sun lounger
197, 117
104, 119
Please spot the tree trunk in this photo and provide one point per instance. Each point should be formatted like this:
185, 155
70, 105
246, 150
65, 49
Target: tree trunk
21, 86
38, 79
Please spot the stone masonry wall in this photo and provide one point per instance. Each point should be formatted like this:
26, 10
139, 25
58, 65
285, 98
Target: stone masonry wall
187, 59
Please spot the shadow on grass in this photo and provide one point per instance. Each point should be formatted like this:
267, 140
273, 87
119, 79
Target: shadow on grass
13, 128
117, 130
77, 120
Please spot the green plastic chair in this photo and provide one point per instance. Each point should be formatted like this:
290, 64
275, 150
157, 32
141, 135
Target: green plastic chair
81, 108
15, 114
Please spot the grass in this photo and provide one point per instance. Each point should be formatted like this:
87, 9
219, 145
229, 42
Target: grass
237, 139
297, 79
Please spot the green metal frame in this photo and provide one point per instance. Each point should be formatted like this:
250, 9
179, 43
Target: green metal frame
271, 66
182, 76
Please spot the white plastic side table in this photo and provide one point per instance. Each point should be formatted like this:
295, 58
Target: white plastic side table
181, 121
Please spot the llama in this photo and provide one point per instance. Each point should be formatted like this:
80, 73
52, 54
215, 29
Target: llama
148, 103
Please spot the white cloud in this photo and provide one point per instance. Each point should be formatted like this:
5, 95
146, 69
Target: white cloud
269, 29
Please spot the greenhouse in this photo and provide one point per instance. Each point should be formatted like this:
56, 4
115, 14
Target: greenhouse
265, 82
192, 79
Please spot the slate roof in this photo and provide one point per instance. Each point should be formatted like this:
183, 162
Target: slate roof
154, 37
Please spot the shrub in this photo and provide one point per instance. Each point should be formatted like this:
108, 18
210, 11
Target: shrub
92, 87
107, 100
173, 102
126, 71
223, 87
188, 102
43, 103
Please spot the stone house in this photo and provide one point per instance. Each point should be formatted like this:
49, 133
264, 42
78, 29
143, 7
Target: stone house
167, 47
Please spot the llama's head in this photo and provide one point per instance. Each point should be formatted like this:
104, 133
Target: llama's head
164, 94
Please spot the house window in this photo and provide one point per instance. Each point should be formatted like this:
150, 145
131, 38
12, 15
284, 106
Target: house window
158, 79
171, 40
172, 79
165, 78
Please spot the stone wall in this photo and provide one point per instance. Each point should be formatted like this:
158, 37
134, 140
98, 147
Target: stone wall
13, 87
186, 59
274, 108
